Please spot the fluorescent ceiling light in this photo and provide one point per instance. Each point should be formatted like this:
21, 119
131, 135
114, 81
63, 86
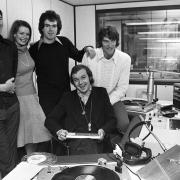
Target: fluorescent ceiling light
152, 23
164, 59
149, 38
160, 48
160, 32
169, 59
169, 40
154, 57
166, 40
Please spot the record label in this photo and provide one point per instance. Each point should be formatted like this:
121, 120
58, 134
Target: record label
86, 172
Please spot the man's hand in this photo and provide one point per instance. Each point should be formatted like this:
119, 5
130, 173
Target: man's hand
101, 133
8, 86
90, 52
62, 134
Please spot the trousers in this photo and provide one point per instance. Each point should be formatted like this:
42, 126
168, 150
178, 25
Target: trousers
121, 117
9, 123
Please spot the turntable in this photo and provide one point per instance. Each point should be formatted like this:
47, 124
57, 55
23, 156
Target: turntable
86, 172
77, 172
140, 107
80, 167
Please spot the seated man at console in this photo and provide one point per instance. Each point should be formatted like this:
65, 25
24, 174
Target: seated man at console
84, 110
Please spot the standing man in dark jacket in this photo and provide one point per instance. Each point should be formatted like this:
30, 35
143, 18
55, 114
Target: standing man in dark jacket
9, 106
51, 55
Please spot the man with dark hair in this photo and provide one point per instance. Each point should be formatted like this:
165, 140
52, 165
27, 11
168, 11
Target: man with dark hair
51, 55
111, 70
9, 106
84, 110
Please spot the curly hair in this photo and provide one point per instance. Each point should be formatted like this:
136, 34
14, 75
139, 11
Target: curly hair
15, 27
51, 16
77, 68
109, 32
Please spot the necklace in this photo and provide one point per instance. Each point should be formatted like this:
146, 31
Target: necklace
26, 61
84, 113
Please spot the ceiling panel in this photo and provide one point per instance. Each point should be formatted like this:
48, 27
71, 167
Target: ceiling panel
86, 2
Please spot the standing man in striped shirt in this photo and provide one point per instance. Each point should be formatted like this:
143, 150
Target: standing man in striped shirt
111, 70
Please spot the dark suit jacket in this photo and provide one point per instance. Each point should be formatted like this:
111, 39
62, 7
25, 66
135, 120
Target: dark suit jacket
68, 113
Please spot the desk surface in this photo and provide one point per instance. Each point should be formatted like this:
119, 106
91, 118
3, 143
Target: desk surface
24, 168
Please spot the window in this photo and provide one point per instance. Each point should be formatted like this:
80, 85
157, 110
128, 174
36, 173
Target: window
151, 36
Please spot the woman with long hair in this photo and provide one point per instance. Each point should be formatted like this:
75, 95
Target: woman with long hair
31, 128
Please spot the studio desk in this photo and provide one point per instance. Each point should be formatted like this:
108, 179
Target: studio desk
28, 171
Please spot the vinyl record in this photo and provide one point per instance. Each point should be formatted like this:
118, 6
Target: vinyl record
86, 172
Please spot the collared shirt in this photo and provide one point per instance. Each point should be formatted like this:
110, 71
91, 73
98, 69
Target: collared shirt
112, 74
84, 97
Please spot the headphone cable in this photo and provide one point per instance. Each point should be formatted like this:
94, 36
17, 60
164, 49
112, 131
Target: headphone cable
119, 158
132, 171
155, 137
158, 140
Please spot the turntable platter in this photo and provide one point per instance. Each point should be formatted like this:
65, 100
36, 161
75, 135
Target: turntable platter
86, 172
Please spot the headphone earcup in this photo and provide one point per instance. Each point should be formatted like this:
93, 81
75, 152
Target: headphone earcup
135, 160
133, 149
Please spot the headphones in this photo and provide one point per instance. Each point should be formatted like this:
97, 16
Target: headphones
132, 152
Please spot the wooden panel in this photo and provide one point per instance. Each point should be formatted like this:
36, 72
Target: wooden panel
18, 9
38, 7
67, 17
3, 9
85, 26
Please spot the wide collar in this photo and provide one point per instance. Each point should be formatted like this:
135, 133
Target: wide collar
42, 41
101, 56
84, 97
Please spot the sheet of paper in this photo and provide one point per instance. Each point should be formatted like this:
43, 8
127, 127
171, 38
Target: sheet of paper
23, 171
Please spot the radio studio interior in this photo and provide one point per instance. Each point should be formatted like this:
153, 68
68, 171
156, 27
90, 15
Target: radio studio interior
149, 32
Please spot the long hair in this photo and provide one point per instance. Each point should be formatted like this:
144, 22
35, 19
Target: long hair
77, 68
109, 32
51, 16
15, 27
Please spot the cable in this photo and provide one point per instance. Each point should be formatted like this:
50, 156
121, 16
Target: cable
118, 158
132, 171
155, 137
